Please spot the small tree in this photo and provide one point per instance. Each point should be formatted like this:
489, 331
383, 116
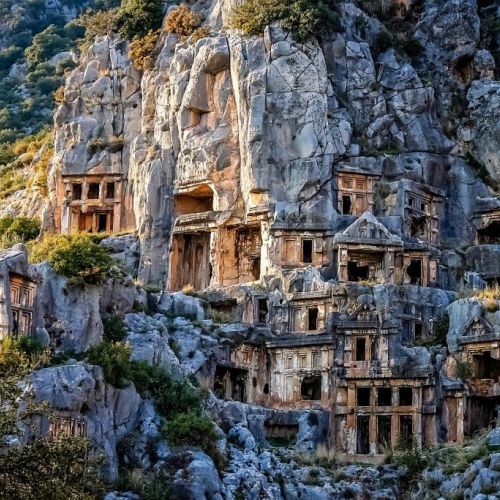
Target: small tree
143, 51
58, 469
136, 17
182, 21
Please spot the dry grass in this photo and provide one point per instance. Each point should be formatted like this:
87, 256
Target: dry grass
189, 290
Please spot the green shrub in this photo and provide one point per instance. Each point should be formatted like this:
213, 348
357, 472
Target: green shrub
191, 429
464, 370
382, 42
407, 453
114, 329
96, 24
30, 346
171, 394
303, 18
136, 17
45, 44
77, 257
148, 485
20, 228
115, 361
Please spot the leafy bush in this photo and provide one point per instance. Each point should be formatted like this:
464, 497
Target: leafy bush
191, 429
57, 469
24, 228
407, 453
136, 18
464, 370
114, 329
182, 21
77, 257
382, 42
148, 485
114, 358
171, 394
144, 51
46, 44
303, 18
94, 24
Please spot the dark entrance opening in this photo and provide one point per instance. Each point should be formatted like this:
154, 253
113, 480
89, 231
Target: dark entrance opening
312, 318
405, 396
93, 191
490, 234
102, 220
361, 349
357, 273
486, 367
417, 227
405, 427
307, 251
414, 272
262, 310
77, 191
110, 190
280, 434
480, 413
310, 388
384, 426
463, 69
256, 269
363, 435
384, 396
418, 331
346, 205
363, 396
230, 383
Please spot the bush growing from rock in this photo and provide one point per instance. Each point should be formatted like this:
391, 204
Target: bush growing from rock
18, 230
114, 358
58, 469
114, 329
136, 17
77, 257
191, 429
305, 19
171, 394
182, 21
143, 51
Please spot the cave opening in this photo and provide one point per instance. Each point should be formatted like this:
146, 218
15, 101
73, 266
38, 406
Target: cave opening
310, 388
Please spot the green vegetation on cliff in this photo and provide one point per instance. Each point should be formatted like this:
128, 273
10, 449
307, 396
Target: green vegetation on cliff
43, 468
303, 18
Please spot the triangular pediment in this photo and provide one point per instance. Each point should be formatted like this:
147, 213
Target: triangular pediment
364, 313
476, 327
367, 227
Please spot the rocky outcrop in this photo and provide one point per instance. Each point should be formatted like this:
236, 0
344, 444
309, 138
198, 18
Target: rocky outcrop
110, 413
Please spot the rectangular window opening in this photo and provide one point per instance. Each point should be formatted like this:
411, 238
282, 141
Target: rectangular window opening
384, 396
77, 191
93, 191
405, 396
346, 205
110, 190
363, 396
307, 251
361, 349
312, 318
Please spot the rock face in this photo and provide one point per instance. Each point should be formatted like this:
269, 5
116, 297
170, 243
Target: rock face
109, 413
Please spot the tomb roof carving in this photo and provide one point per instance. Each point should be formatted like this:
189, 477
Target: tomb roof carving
368, 230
